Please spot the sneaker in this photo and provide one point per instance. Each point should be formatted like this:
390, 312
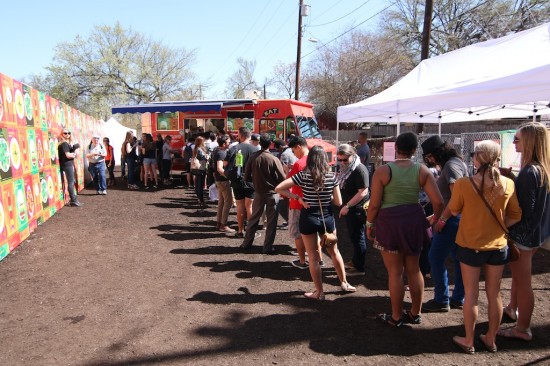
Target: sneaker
354, 272
456, 305
76, 204
296, 263
435, 307
409, 318
239, 235
226, 229
104, 192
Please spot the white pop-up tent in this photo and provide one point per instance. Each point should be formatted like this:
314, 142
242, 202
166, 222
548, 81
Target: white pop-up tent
116, 134
504, 77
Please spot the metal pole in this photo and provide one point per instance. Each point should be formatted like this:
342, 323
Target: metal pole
298, 52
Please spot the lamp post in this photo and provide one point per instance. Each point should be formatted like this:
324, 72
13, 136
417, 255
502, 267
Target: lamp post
302, 12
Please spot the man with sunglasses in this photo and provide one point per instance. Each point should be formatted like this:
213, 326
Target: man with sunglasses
67, 153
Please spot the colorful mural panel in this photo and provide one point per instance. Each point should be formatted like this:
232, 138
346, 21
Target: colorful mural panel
30, 180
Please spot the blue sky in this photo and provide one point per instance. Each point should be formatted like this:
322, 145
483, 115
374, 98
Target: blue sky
219, 30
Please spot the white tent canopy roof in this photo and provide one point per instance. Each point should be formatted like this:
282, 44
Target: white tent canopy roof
499, 78
116, 133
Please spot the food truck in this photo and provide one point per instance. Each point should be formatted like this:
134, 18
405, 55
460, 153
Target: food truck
280, 118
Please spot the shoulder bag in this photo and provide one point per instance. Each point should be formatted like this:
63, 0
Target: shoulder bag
327, 239
514, 252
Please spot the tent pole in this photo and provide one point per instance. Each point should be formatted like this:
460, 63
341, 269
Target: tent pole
337, 128
398, 126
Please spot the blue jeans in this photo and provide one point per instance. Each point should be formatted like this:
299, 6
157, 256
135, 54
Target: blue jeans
131, 170
443, 244
355, 222
122, 166
98, 175
68, 171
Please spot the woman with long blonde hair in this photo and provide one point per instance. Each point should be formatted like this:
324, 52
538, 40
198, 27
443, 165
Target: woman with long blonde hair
533, 190
483, 199
67, 154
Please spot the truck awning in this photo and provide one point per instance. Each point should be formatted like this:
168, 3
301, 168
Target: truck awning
191, 107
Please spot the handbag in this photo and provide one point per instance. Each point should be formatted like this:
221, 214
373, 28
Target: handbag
327, 239
195, 163
513, 250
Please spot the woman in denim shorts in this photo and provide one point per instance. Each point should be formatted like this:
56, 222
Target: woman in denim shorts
481, 240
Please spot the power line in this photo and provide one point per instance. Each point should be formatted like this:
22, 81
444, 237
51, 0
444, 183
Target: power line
224, 65
342, 17
346, 32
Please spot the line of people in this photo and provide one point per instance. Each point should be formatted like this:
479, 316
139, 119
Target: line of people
472, 217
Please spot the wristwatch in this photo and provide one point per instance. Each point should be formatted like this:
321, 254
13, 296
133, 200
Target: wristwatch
348, 206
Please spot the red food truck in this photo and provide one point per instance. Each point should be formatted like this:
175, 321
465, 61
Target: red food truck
277, 117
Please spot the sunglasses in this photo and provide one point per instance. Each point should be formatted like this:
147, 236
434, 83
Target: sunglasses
66, 133
343, 160
515, 140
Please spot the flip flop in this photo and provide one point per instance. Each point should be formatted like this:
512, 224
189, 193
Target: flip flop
466, 349
488, 347
514, 332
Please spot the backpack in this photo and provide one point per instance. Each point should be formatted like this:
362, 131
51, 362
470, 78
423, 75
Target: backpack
187, 153
211, 163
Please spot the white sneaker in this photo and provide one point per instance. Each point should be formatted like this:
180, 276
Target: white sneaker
103, 192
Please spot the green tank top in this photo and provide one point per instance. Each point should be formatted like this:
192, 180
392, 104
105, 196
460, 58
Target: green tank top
403, 188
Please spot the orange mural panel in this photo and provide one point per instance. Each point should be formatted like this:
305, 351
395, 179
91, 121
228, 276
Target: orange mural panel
7, 95
19, 103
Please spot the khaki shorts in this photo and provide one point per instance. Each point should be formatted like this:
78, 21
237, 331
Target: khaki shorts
294, 223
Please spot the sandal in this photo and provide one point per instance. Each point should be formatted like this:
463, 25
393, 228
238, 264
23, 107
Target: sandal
347, 287
509, 315
466, 349
315, 295
409, 318
488, 347
388, 319
514, 332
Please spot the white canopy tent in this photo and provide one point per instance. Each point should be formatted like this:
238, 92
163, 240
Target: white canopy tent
500, 78
116, 134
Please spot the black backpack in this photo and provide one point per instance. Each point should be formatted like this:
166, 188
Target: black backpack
187, 153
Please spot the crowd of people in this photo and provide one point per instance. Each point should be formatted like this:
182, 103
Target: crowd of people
473, 218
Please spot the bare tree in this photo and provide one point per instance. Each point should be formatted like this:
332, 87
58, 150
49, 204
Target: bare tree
115, 65
242, 79
459, 23
283, 79
357, 67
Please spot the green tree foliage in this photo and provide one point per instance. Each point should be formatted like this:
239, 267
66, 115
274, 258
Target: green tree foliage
114, 65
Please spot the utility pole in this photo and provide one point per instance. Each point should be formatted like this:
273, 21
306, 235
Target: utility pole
425, 50
298, 52
428, 10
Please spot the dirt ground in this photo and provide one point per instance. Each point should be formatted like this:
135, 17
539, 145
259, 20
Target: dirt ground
142, 278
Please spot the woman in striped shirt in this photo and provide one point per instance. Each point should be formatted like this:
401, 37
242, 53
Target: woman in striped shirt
320, 190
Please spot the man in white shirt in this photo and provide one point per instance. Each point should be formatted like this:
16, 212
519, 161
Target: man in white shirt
96, 159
